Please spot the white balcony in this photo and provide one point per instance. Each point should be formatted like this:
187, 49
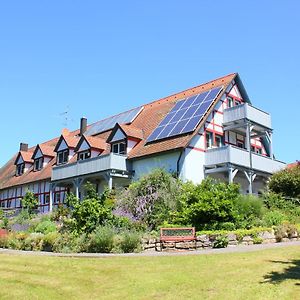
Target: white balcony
246, 111
241, 157
90, 166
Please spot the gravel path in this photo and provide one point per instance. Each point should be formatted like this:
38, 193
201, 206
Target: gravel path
232, 249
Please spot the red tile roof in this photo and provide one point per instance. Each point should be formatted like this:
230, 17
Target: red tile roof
141, 127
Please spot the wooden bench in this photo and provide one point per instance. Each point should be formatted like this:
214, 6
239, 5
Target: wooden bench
173, 235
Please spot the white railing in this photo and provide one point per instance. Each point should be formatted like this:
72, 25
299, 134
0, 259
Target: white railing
241, 157
89, 166
246, 111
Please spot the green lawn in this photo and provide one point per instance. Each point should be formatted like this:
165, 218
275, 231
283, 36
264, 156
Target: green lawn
267, 274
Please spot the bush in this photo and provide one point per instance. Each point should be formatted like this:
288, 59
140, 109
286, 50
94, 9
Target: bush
45, 227
102, 240
208, 204
249, 211
286, 182
273, 218
3, 241
34, 242
257, 240
49, 241
30, 202
221, 242
130, 242
66, 243
60, 212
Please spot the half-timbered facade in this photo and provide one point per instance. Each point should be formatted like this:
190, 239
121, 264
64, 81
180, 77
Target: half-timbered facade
209, 130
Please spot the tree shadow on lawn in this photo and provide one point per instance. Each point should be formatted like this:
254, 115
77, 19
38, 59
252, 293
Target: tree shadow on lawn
292, 271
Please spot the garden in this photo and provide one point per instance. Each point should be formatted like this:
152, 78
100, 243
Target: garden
125, 220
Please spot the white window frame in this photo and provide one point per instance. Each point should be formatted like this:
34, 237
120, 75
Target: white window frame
116, 148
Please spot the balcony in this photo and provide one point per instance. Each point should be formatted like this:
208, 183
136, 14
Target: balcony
246, 111
90, 166
241, 157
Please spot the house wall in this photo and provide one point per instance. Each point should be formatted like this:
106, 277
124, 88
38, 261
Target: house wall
166, 161
11, 198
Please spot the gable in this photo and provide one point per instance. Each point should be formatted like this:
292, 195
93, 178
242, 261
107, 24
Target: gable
119, 135
19, 160
62, 146
83, 146
38, 154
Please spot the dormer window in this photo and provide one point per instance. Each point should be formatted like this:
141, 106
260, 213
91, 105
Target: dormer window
63, 157
119, 148
84, 155
38, 164
20, 169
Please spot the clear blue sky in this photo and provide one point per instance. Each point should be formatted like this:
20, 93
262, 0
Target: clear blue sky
102, 57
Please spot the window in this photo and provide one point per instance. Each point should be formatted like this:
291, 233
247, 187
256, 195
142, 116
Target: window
46, 199
57, 197
236, 103
219, 140
38, 164
20, 169
63, 157
2, 204
252, 148
258, 151
119, 148
209, 139
84, 155
229, 102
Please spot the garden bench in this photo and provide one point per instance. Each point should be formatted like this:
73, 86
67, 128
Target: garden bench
173, 235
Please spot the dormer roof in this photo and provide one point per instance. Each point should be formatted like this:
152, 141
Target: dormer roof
127, 131
70, 141
24, 156
43, 150
92, 142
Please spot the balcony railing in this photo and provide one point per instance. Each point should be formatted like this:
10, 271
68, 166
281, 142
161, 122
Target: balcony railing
241, 157
246, 111
90, 166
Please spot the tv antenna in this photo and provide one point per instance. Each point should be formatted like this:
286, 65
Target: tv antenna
66, 117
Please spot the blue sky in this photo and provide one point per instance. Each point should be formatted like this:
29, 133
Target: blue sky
97, 58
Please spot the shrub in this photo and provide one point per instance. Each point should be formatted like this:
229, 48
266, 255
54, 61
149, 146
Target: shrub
4, 241
257, 240
102, 240
208, 203
1, 214
66, 243
227, 226
273, 218
151, 200
49, 241
286, 182
130, 242
34, 242
4, 223
221, 241
45, 227
248, 211
60, 212
29, 202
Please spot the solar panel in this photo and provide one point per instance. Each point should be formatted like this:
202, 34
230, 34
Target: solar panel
109, 123
185, 115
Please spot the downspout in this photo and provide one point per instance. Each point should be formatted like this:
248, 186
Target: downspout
178, 162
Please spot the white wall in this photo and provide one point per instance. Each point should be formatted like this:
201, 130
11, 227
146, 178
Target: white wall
166, 161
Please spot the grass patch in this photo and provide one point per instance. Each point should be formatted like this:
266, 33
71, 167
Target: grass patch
267, 274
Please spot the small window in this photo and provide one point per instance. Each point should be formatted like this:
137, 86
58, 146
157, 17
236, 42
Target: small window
258, 151
2, 204
57, 197
47, 199
119, 148
236, 103
252, 148
84, 155
20, 169
38, 164
219, 141
229, 102
62, 157
209, 139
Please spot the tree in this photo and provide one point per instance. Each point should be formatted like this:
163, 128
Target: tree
286, 182
30, 202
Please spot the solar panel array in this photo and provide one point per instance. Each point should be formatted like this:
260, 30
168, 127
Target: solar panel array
185, 115
109, 123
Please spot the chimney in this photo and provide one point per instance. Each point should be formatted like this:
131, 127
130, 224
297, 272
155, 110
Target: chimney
23, 147
83, 126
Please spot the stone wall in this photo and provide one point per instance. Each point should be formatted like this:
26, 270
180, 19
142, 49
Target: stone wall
206, 241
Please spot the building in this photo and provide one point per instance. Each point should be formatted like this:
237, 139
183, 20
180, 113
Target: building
212, 129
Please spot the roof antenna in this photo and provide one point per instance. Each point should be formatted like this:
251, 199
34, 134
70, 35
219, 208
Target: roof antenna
66, 117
